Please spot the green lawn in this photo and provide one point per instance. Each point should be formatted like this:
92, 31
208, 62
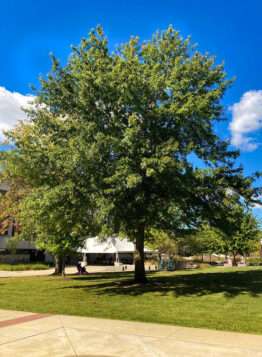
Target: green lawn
217, 298
23, 267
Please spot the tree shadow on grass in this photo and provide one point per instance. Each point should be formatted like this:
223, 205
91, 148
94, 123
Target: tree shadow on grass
102, 276
230, 284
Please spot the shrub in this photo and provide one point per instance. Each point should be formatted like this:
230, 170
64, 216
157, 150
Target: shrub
254, 261
203, 265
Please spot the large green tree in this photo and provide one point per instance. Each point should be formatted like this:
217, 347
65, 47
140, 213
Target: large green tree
129, 122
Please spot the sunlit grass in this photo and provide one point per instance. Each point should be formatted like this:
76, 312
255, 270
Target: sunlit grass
217, 298
23, 267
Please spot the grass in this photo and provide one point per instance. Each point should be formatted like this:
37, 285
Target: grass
215, 298
23, 267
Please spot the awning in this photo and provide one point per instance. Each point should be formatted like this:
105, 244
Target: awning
110, 245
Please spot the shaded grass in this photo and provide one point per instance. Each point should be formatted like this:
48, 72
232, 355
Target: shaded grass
217, 298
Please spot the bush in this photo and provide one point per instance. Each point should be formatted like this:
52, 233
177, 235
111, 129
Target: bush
203, 265
255, 261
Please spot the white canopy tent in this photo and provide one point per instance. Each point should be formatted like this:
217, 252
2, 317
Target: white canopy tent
113, 246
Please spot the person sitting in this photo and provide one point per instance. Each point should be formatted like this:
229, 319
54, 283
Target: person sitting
80, 269
83, 270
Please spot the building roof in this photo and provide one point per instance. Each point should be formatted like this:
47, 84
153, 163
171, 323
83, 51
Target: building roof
108, 245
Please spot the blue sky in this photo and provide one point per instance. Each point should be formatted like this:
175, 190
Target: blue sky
231, 30
29, 30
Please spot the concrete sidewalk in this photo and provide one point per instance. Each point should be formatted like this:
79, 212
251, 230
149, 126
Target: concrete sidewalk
69, 270
27, 334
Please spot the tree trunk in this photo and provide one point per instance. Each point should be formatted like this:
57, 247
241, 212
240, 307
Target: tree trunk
140, 274
234, 261
59, 265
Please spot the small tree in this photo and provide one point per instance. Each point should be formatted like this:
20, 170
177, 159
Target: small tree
57, 212
241, 231
16, 190
162, 242
206, 240
54, 221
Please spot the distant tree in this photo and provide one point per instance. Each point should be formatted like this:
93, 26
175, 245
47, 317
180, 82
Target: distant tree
10, 198
119, 129
241, 231
162, 242
206, 240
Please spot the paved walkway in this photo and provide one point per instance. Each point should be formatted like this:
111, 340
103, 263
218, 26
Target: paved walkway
69, 270
38, 335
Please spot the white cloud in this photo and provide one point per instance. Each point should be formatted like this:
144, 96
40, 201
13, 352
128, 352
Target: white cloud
257, 206
246, 120
11, 112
